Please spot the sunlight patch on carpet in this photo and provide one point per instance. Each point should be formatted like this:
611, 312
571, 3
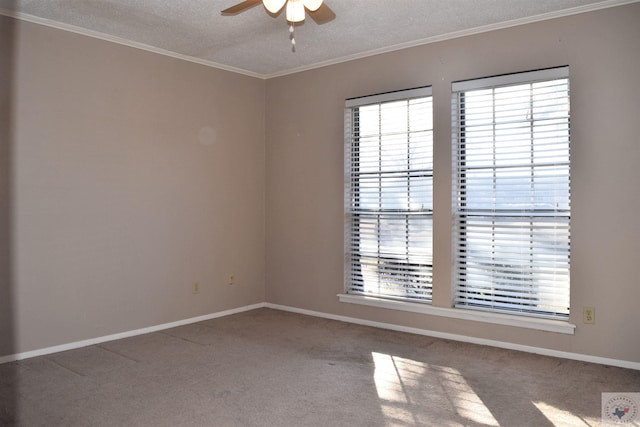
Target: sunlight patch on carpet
405, 387
560, 417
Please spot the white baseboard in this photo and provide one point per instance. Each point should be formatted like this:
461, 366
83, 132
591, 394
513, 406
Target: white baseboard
127, 334
463, 338
455, 337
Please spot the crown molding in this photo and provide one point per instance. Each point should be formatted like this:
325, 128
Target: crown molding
124, 42
265, 76
457, 34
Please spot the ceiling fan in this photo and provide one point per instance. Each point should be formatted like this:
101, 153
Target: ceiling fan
295, 10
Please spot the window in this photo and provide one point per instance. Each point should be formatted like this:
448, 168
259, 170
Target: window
388, 195
511, 193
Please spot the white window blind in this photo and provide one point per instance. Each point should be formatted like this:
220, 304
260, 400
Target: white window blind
511, 201
388, 195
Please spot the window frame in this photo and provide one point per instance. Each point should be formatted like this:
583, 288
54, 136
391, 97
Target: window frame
398, 271
487, 291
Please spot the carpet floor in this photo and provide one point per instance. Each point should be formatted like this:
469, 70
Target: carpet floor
272, 368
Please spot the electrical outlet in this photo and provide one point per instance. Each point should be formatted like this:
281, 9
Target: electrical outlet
589, 315
196, 288
231, 278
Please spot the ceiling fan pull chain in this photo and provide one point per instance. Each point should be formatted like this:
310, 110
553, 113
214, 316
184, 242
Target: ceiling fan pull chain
292, 37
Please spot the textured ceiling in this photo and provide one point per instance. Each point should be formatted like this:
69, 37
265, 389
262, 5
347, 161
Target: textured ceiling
257, 43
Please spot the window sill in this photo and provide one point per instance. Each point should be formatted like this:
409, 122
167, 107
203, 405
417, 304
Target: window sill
548, 325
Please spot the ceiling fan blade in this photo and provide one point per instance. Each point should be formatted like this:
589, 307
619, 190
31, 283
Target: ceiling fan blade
312, 5
323, 14
240, 7
274, 6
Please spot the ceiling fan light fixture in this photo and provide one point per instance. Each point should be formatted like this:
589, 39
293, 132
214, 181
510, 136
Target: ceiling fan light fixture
312, 5
273, 6
295, 11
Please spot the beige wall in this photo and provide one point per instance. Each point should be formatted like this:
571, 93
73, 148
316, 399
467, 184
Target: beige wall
305, 172
6, 107
126, 176
133, 176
